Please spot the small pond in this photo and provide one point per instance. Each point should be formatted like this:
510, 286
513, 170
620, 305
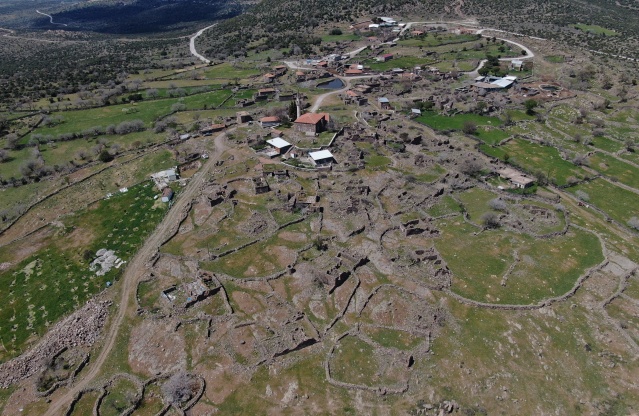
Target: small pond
547, 87
333, 84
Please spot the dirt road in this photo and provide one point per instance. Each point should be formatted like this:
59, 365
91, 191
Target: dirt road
320, 98
135, 270
192, 44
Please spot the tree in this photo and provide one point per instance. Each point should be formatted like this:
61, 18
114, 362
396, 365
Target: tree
178, 107
105, 156
292, 111
469, 127
178, 388
582, 195
498, 204
471, 167
12, 140
630, 144
490, 220
530, 106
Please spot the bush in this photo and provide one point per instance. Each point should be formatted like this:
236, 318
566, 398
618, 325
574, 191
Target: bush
490, 220
105, 156
498, 204
336, 31
470, 127
530, 106
178, 388
582, 195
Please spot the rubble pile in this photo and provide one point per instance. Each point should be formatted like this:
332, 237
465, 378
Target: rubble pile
80, 329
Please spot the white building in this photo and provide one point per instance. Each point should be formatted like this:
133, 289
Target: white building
322, 157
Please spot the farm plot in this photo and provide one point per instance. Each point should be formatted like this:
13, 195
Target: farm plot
619, 204
59, 268
533, 157
456, 122
615, 169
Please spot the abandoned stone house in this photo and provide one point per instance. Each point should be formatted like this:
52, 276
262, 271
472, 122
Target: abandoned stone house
212, 128
243, 117
269, 121
260, 185
516, 178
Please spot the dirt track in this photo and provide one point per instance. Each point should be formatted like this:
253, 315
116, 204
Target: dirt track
136, 268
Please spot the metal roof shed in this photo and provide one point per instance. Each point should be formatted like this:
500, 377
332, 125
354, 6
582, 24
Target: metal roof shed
278, 143
322, 156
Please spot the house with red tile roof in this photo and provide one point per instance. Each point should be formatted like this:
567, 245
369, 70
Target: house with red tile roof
270, 121
312, 123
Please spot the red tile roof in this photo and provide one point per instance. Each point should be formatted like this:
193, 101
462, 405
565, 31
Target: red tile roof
312, 118
272, 119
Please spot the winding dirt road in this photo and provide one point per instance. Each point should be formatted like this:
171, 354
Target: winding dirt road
135, 270
192, 44
50, 18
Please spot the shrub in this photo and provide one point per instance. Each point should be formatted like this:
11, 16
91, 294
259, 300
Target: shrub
582, 195
178, 388
469, 127
490, 220
105, 156
498, 204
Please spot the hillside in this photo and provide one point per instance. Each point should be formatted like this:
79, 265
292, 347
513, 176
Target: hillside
272, 24
355, 208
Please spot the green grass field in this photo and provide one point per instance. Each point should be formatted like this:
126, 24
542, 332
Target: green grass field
255, 259
616, 169
536, 157
616, 202
55, 280
393, 338
479, 262
491, 135
345, 37
437, 40
79, 120
446, 205
231, 71
555, 59
606, 144
456, 122
596, 29
119, 398
355, 362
